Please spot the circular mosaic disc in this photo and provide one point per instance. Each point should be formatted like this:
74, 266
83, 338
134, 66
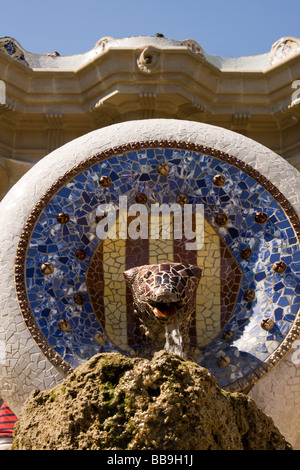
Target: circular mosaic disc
70, 286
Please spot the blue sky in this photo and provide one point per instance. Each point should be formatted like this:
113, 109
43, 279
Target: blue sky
229, 28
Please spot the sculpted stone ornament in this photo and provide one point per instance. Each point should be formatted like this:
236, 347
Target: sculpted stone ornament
148, 60
164, 297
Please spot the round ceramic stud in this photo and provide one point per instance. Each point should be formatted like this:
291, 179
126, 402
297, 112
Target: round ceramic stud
223, 361
64, 325
260, 217
105, 181
219, 180
267, 324
228, 335
221, 219
100, 338
249, 295
80, 254
47, 268
279, 267
79, 298
63, 218
246, 253
163, 169
182, 199
141, 198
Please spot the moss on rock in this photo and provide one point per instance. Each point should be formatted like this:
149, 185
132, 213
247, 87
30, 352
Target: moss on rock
113, 402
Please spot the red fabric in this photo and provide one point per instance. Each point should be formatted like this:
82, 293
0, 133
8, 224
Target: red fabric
7, 420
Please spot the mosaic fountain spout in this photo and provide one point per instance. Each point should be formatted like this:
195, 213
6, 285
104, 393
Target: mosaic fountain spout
164, 300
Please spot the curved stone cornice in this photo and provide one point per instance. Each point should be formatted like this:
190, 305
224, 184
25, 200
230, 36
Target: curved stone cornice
148, 77
284, 49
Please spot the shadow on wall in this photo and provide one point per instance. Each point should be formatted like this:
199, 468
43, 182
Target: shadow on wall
10, 173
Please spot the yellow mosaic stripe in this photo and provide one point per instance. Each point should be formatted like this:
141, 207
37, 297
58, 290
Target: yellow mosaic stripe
114, 258
161, 250
208, 300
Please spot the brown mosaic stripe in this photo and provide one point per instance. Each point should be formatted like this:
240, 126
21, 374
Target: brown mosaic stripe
95, 284
137, 254
231, 277
184, 256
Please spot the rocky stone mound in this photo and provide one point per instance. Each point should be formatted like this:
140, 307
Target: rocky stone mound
113, 402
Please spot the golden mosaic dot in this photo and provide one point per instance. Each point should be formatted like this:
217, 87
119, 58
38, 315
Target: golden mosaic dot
249, 295
141, 198
80, 254
100, 338
267, 324
227, 335
223, 361
219, 180
63, 218
64, 325
260, 217
246, 253
79, 298
163, 169
221, 219
105, 181
279, 267
182, 199
47, 268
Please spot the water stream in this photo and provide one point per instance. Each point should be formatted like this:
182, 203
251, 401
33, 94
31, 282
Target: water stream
173, 339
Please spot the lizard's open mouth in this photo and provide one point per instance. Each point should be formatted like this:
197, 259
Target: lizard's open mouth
164, 311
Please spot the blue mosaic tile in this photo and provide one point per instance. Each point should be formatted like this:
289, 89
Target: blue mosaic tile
241, 197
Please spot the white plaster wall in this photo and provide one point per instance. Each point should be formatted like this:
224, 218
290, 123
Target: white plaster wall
23, 367
278, 395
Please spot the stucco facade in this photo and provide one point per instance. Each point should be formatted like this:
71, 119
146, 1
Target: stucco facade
48, 100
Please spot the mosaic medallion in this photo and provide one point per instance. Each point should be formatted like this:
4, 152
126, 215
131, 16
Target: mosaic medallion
70, 283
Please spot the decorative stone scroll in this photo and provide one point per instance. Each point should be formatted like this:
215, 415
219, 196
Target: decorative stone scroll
10, 47
283, 49
148, 59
